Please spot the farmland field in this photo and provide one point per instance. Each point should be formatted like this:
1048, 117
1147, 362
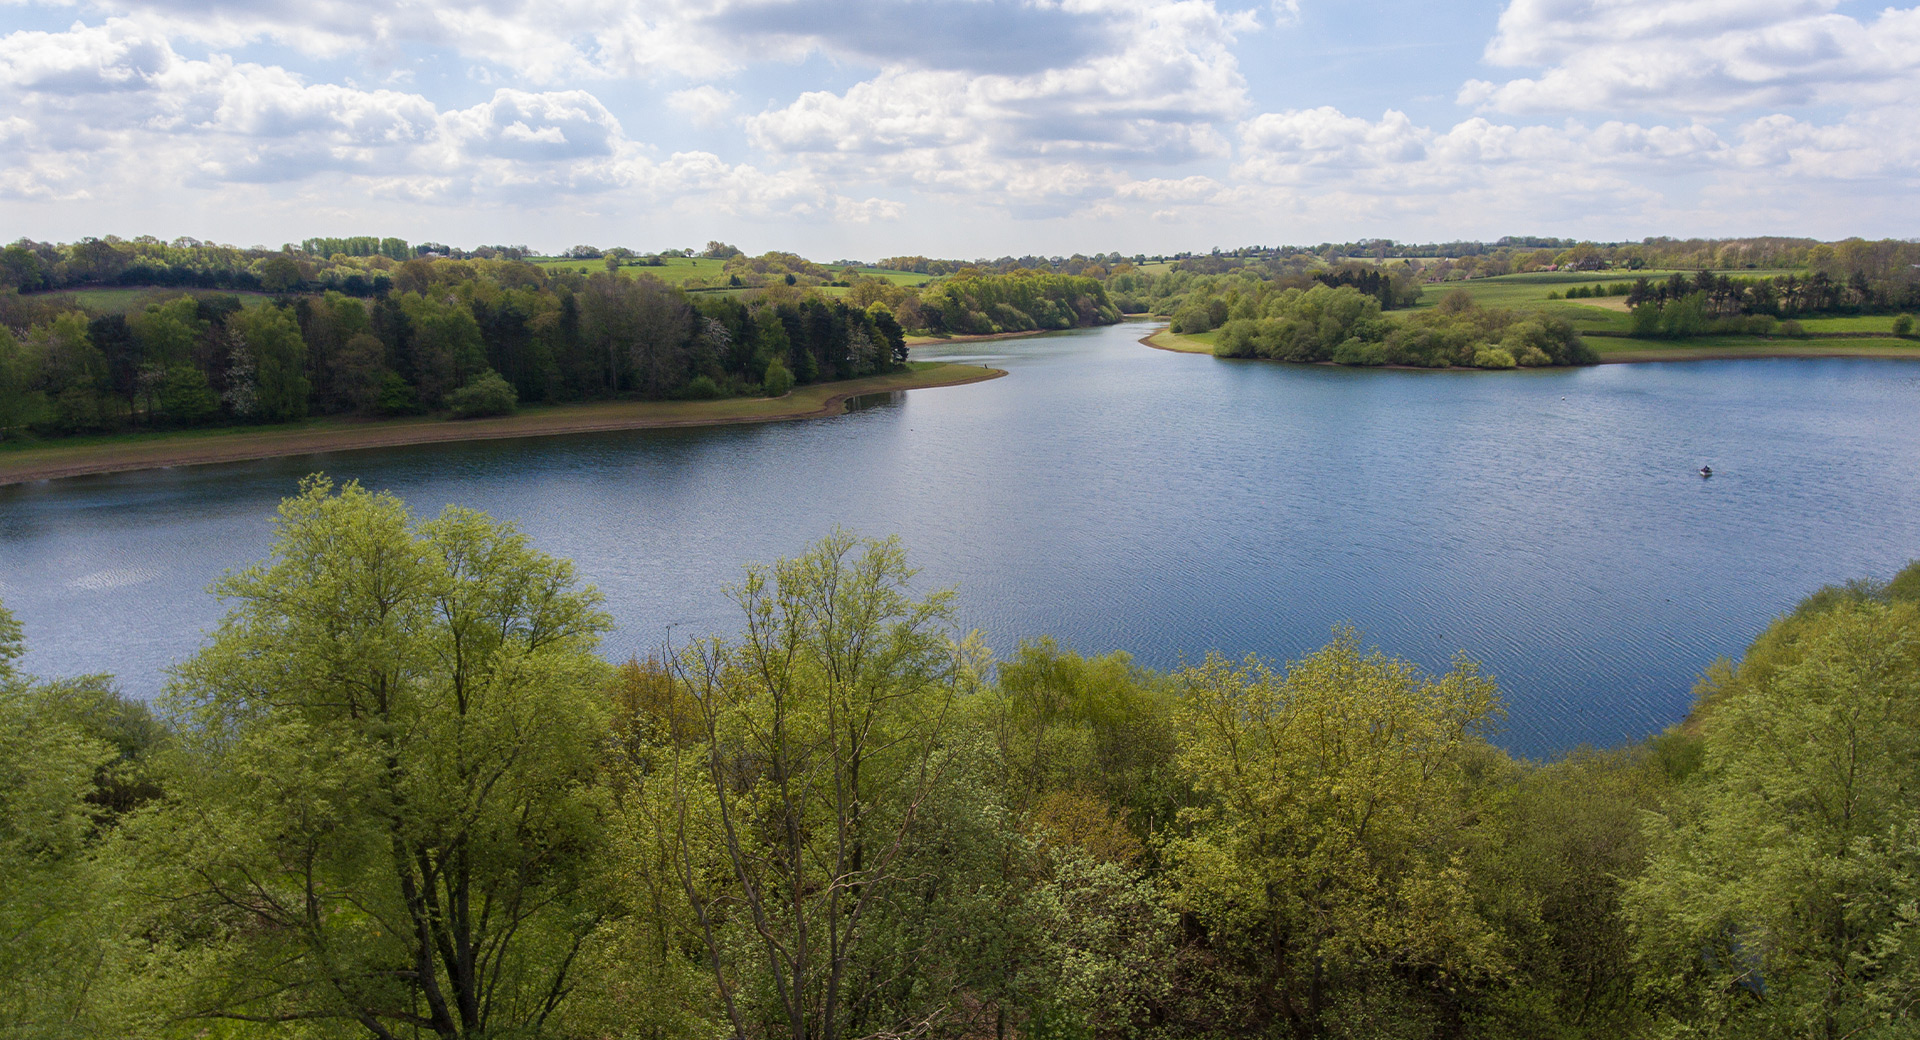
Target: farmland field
896, 277
674, 270
133, 298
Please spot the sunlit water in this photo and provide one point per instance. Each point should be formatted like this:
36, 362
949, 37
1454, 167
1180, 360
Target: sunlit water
1550, 524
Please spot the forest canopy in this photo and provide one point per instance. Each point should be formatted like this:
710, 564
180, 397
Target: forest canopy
472, 336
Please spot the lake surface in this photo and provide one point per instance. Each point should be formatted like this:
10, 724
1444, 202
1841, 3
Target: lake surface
1550, 523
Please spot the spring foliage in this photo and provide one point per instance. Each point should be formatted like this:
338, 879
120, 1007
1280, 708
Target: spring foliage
398, 794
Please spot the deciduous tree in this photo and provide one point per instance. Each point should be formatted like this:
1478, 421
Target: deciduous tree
384, 814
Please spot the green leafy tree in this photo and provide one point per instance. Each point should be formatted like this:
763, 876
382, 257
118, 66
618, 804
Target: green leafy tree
383, 814
778, 380
1780, 894
445, 345
271, 338
21, 401
58, 955
486, 394
185, 396
75, 372
1325, 862
169, 333
822, 732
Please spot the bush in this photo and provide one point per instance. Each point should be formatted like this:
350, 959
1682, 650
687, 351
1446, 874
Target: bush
702, 388
1191, 319
1355, 352
1793, 329
485, 394
778, 380
1238, 338
1903, 325
397, 397
1493, 357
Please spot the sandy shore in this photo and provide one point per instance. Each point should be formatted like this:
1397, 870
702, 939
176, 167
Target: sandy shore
200, 447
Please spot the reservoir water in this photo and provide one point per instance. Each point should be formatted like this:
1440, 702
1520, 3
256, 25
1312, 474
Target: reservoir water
1550, 524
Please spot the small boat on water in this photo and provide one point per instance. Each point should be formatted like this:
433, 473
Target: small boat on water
1706, 471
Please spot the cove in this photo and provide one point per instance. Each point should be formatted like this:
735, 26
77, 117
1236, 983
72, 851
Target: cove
1549, 523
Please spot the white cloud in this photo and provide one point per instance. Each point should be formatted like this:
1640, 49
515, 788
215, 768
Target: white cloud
866, 211
704, 105
556, 41
1393, 172
1043, 142
1164, 190
1696, 57
1654, 116
516, 124
111, 110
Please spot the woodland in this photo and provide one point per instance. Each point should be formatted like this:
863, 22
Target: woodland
399, 793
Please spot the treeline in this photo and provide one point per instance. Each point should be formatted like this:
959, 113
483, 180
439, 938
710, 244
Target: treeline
29, 267
397, 793
471, 336
475, 337
1709, 304
1517, 254
358, 266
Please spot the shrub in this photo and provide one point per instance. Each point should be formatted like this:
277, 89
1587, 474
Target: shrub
1192, 318
778, 380
1355, 352
702, 388
1238, 338
1493, 357
1903, 325
1792, 328
397, 397
484, 394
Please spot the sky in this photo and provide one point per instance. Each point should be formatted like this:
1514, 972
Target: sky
956, 128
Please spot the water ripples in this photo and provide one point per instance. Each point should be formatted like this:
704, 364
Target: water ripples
1549, 524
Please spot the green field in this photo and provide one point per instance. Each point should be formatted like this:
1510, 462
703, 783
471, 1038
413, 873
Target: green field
674, 270
896, 277
1184, 343
129, 300
1710, 347
1529, 292
1530, 295
1882, 323
1514, 290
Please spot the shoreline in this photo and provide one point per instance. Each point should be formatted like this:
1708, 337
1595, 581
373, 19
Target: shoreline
941, 341
1171, 347
246, 444
981, 337
1626, 356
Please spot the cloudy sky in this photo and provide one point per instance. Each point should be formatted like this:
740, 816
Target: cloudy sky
861, 128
